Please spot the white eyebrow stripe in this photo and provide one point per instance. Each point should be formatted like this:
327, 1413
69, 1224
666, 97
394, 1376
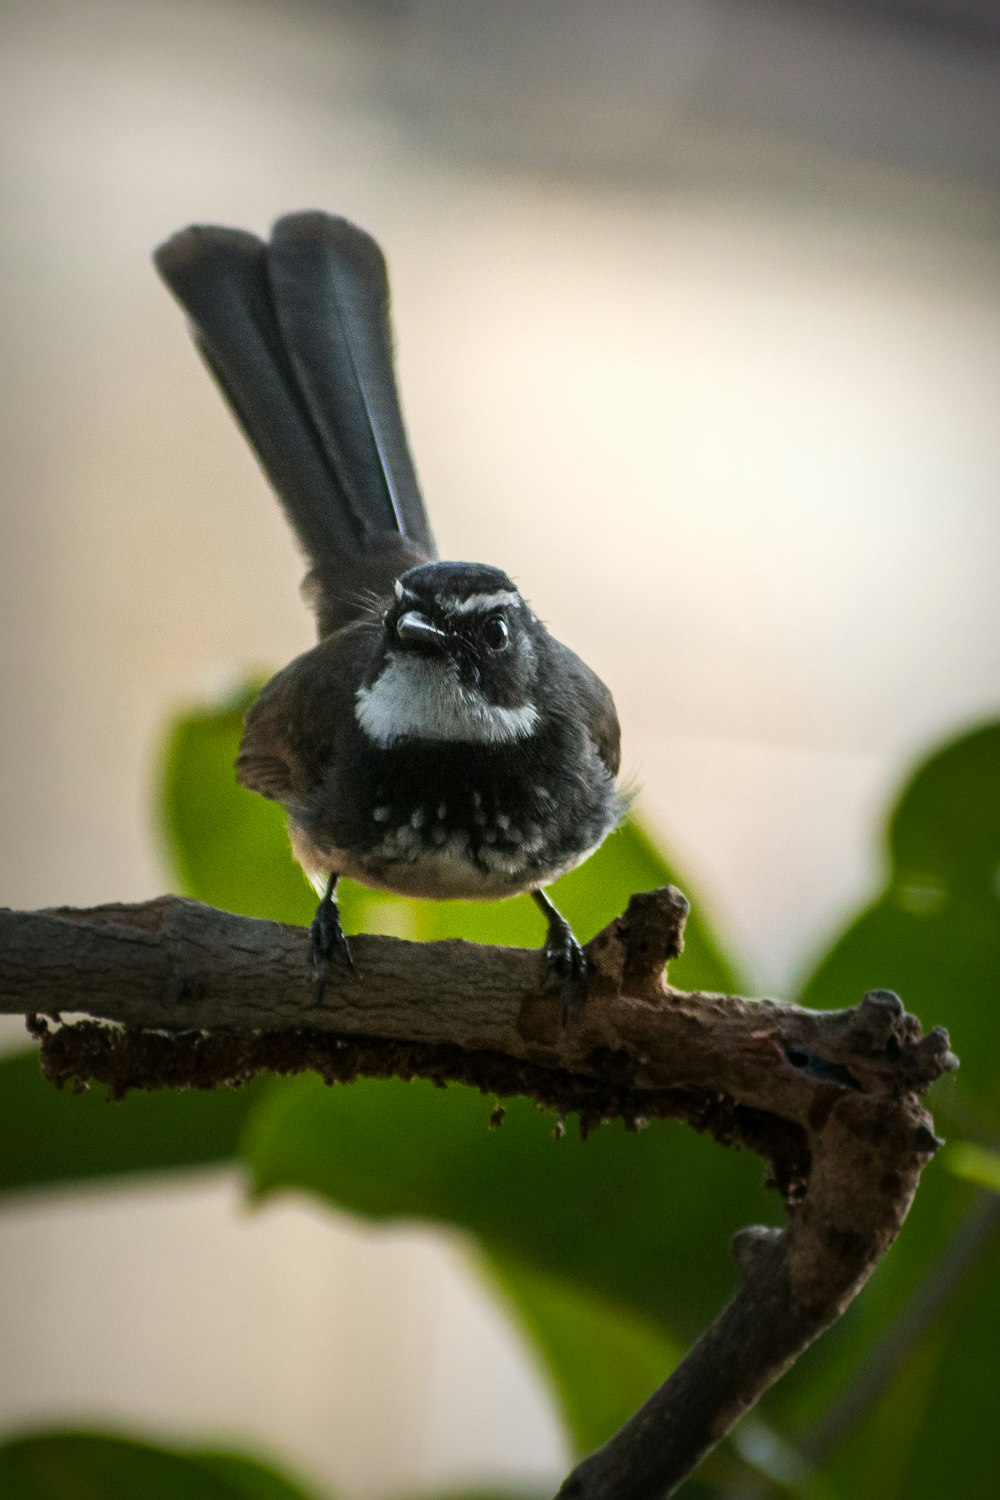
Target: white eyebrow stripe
478, 603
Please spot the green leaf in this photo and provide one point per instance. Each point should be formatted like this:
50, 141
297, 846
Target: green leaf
641, 1219
975, 1164
54, 1137
95, 1466
933, 935
933, 1428
249, 1477
518, 1494
227, 845
602, 1359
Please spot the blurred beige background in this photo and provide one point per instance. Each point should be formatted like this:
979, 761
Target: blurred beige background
698, 314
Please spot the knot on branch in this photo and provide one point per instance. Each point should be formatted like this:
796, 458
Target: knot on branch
879, 1031
633, 951
753, 1248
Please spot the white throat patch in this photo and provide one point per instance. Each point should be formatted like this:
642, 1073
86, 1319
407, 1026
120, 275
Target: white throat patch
415, 697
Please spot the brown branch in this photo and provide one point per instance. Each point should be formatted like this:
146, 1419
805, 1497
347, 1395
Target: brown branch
829, 1098
972, 1240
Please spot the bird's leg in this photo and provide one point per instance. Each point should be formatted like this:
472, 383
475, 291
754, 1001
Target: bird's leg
327, 943
563, 954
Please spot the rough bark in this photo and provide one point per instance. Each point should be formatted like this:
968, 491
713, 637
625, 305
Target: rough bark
830, 1099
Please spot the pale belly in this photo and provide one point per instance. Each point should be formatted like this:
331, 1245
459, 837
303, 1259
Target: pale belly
404, 864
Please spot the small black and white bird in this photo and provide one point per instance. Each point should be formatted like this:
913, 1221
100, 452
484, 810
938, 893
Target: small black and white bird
438, 741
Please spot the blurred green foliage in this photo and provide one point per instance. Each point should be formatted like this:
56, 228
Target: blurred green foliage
611, 1253
95, 1466
975, 1164
52, 1137
572, 1331
933, 935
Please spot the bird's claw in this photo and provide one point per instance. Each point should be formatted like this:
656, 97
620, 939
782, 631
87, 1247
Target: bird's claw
567, 963
327, 944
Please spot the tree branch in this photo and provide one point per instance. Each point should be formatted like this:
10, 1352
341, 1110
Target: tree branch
830, 1099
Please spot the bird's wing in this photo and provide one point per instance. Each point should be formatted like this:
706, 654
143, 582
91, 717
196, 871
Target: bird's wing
591, 705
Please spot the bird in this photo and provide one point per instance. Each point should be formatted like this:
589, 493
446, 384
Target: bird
437, 741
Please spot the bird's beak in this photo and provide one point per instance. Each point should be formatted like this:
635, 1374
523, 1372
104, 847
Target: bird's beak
414, 629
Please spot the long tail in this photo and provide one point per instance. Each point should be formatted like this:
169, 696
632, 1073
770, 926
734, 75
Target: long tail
297, 334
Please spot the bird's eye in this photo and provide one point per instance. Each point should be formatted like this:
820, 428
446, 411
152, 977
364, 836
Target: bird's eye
495, 633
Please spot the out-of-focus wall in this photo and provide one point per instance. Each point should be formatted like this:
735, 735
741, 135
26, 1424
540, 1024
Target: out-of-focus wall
711, 376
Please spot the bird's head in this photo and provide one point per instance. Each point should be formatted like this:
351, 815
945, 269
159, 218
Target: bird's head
459, 659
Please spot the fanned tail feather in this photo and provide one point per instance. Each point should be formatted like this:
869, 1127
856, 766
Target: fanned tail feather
297, 335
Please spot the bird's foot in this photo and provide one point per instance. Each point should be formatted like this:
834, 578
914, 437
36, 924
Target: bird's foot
564, 957
328, 947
